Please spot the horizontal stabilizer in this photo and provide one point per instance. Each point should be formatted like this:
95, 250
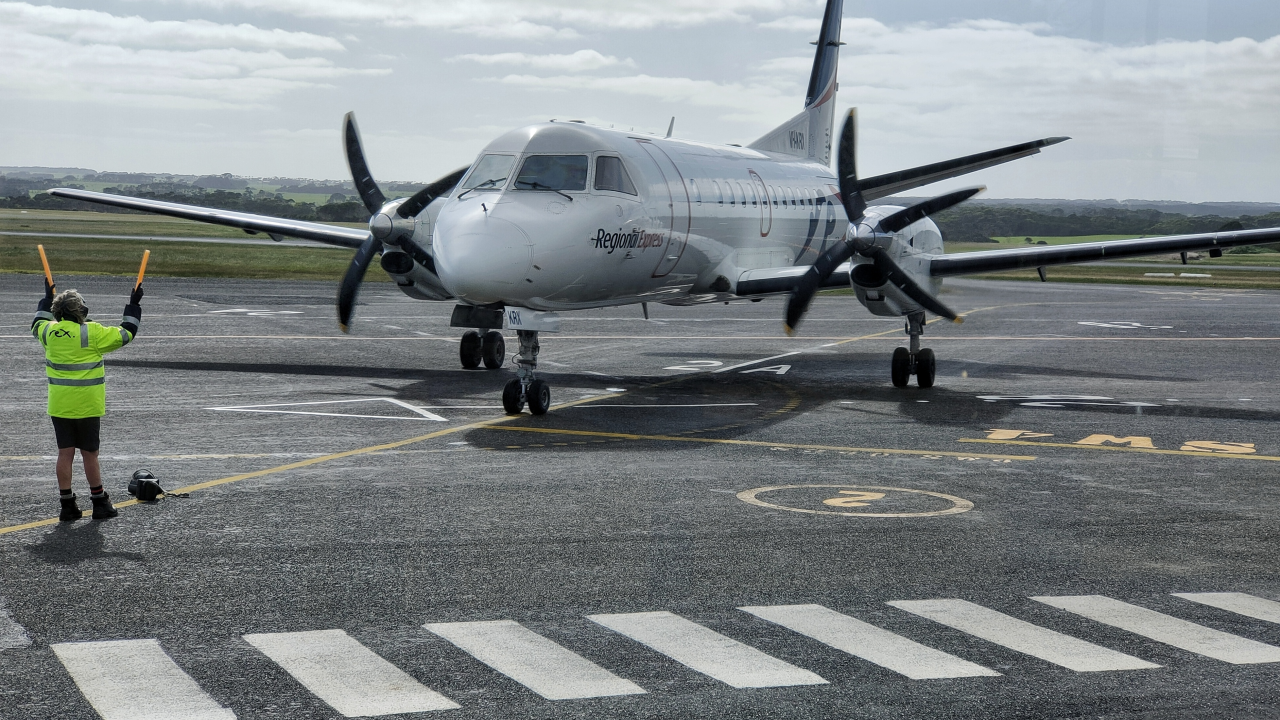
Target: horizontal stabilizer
319, 232
985, 261
874, 188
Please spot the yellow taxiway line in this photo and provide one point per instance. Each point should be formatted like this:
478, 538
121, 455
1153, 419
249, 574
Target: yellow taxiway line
756, 443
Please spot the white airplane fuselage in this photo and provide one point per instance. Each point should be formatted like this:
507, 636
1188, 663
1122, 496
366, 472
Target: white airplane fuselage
700, 216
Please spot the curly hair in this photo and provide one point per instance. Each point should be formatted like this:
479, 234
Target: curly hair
69, 305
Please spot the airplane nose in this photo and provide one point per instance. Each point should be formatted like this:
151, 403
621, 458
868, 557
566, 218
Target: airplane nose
480, 258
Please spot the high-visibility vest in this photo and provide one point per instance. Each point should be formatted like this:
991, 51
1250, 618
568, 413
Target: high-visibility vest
73, 363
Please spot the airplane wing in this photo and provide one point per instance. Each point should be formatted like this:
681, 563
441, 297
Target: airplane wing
984, 261
771, 281
874, 188
328, 234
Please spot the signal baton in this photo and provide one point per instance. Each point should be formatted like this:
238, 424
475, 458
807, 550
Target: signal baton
45, 261
141, 271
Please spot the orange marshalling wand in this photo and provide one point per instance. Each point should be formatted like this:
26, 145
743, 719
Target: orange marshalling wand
45, 261
142, 270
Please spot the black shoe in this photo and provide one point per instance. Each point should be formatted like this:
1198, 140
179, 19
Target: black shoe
70, 511
102, 509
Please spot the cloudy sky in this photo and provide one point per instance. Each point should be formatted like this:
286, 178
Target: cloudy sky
1166, 99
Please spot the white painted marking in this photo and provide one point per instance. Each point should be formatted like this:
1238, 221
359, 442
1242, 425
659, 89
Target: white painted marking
1238, 603
756, 362
544, 667
1049, 645
869, 642
349, 676
421, 411
1167, 629
136, 680
12, 635
775, 369
415, 408
696, 365
706, 650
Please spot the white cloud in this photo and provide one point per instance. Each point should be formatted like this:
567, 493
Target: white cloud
698, 93
797, 23
93, 27
532, 19
580, 61
64, 54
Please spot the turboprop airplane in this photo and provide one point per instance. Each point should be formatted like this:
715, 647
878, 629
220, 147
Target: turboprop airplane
564, 216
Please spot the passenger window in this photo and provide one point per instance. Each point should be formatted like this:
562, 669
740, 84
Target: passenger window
611, 175
553, 172
774, 190
693, 191
742, 194
490, 173
715, 187
728, 191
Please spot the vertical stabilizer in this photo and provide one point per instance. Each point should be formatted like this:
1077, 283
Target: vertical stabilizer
808, 135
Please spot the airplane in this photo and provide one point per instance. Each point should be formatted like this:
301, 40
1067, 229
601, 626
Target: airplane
563, 215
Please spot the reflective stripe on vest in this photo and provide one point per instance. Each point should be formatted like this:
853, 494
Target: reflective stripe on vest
84, 335
125, 337
78, 383
74, 366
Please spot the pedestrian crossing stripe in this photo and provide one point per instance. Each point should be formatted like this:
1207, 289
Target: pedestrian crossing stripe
137, 679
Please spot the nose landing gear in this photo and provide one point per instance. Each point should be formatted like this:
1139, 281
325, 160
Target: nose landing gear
916, 361
525, 387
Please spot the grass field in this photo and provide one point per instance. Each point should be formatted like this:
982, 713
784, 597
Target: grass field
93, 256
84, 256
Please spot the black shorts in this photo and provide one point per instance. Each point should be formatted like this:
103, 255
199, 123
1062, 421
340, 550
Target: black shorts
77, 432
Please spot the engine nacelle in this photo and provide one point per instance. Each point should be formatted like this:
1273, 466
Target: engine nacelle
413, 277
877, 294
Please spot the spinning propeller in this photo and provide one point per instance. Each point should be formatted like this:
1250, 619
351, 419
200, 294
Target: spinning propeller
392, 223
868, 241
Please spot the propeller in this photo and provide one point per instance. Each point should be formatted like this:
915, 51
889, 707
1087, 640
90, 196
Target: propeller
860, 238
392, 223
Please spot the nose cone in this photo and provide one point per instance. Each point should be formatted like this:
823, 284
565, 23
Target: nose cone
480, 258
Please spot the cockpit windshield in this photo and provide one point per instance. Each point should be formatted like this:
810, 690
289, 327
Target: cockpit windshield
553, 172
490, 173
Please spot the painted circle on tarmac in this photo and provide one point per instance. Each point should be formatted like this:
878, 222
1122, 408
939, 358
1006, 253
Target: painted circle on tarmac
856, 500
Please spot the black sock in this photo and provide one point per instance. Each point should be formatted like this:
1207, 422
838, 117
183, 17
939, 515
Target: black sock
66, 495
95, 491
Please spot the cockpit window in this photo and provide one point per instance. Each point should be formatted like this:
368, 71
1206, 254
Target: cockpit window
553, 172
490, 173
611, 175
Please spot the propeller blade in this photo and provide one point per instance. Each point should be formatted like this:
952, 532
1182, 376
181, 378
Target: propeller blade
350, 286
360, 175
802, 294
854, 207
922, 210
847, 169
421, 199
907, 284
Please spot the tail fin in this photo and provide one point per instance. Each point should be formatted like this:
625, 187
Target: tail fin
808, 135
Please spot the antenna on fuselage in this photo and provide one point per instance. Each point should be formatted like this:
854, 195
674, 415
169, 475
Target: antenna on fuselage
672, 126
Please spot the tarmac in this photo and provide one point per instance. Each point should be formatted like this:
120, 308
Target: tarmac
714, 520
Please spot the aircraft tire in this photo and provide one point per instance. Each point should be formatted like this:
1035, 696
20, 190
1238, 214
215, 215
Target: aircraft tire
511, 400
469, 350
539, 397
901, 370
926, 366
493, 349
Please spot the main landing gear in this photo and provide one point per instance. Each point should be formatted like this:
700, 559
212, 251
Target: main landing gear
525, 387
488, 348
916, 361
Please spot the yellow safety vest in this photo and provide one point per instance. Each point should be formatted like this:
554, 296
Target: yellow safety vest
73, 363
